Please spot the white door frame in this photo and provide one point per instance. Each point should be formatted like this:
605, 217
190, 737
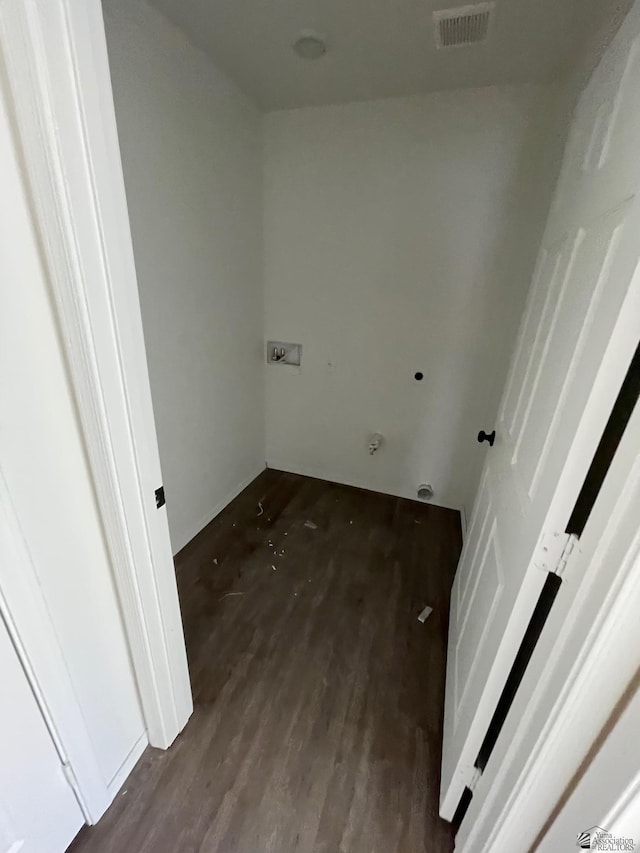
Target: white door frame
56, 65
607, 793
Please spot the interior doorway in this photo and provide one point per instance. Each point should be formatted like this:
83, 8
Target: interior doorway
332, 229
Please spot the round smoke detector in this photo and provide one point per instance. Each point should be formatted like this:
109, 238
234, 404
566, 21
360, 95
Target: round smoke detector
309, 45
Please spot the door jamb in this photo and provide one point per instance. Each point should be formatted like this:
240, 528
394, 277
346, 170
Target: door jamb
59, 92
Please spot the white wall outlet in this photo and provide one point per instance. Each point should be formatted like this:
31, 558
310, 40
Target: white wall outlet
279, 352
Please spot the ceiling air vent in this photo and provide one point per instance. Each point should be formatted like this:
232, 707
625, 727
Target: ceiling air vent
463, 25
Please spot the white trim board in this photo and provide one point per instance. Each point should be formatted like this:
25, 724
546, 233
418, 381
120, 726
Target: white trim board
208, 518
61, 99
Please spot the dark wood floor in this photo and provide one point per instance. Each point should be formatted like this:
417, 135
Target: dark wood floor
318, 694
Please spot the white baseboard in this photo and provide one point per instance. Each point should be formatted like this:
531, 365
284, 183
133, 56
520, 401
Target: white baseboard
127, 765
217, 509
332, 477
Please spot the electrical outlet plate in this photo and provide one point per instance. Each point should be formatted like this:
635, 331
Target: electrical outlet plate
280, 352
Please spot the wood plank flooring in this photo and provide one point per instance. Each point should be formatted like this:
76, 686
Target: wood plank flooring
318, 694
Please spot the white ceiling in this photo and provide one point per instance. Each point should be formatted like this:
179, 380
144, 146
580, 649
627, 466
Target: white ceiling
379, 48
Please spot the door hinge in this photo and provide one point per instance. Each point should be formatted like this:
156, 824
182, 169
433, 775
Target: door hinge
160, 501
552, 548
70, 776
475, 778
567, 551
555, 552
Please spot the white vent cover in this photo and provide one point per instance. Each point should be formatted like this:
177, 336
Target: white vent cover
463, 25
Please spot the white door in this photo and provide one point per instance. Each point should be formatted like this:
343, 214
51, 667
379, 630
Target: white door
38, 810
578, 335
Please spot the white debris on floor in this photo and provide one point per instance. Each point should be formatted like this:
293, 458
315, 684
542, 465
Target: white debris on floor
423, 616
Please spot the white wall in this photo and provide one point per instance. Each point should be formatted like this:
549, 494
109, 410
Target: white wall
192, 156
44, 464
400, 236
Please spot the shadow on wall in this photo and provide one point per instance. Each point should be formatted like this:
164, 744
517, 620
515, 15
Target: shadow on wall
486, 356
